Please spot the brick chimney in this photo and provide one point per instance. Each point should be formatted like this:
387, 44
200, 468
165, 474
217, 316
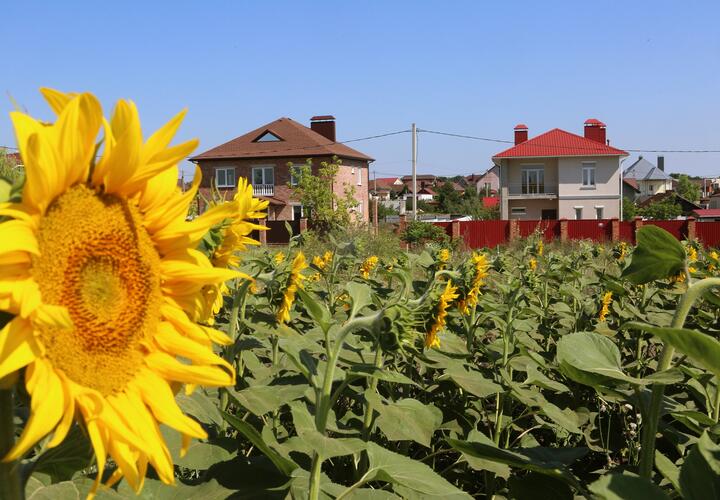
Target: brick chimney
661, 163
324, 125
521, 133
595, 130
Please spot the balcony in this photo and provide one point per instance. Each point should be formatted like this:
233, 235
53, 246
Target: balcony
263, 189
531, 190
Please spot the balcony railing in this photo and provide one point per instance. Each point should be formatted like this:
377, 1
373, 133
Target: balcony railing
531, 189
263, 189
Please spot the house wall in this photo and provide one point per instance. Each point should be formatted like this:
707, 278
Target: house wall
347, 174
516, 166
492, 178
533, 208
650, 187
610, 208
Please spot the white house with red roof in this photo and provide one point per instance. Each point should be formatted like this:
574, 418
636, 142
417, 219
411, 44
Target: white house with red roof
560, 175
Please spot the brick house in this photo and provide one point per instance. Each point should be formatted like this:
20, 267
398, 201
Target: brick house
264, 156
560, 175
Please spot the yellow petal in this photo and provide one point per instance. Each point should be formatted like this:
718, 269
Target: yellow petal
68, 413
47, 404
18, 347
56, 99
171, 341
171, 369
18, 236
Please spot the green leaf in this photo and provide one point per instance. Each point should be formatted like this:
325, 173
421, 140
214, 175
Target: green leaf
325, 446
284, 465
372, 371
360, 296
471, 381
262, 399
316, 309
551, 462
477, 463
200, 455
625, 486
658, 255
703, 349
390, 467
61, 463
700, 473
668, 469
591, 359
68, 490
409, 419
200, 406
156, 490
536, 486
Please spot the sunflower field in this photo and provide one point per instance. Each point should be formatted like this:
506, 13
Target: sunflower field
148, 353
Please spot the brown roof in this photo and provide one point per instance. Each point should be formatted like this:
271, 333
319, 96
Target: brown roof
632, 183
296, 140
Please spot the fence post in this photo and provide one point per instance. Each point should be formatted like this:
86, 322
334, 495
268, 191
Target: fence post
402, 223
514, 229
615, 228
262, 233
691, 228
303, 225
638, 223
455, 230
563, 230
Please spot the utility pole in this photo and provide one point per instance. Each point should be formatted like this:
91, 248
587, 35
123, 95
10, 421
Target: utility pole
414, 170
375, 181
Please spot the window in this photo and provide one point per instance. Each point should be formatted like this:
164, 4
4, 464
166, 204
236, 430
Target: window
295, 174
533, 181
487, 187
225, 177
263, 175
268, 137
578, 213
588, 175
359, 209
651, 188
297, 212
600, 212
518, 211
359, 176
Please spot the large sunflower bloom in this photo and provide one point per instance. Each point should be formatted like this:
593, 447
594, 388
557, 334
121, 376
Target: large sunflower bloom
98, 265
440, 319
605, 309
293, 283
368, 265
235, 238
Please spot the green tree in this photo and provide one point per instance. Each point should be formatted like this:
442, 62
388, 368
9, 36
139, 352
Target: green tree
325, 209
662, 210
448, 199
688, 189
9, 168
629, 208
384, 211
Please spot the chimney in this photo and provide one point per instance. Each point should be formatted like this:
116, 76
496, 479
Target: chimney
595, 130
661, 163
324, 125
521, 133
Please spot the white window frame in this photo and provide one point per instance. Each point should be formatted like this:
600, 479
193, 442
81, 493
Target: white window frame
518, 210
588, 174
578, 210
295, 177
302, 210
266, 134
525, 175
599, 212
225, 171
359, 176
262, 168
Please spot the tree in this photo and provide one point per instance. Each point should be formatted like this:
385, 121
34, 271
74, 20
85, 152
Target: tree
324, 208
629, 209
384, 211
9, 169
662, 210
448, 199
688, 189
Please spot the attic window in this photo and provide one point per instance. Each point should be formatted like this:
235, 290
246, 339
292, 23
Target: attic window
268, 137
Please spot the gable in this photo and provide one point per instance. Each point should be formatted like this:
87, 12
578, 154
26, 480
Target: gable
268, 136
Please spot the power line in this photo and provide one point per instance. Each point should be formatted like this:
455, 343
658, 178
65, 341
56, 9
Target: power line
486, 139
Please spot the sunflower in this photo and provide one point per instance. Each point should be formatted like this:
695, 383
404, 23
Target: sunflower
98, 264
368, 265
322, 262
235, 238
605, 310
480, 265
293, 283
446, 299
533, 264
443, 258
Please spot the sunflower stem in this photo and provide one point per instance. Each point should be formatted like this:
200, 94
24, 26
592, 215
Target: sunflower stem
647, 450
9, 471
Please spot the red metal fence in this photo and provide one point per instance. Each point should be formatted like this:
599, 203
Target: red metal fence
490, 233
484, 233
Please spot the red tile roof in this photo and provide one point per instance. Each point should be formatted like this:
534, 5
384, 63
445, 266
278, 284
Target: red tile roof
632, 183
297, 140
558, 142
707, 212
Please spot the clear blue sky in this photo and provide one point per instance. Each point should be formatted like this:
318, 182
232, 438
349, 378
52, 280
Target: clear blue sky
649, 70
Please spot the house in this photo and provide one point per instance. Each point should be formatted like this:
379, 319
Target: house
426, 194
686, 205
630, 189
489, 182
707, 215
651, 179
423, 180
560, 175
386, 188
460, 190
265, 156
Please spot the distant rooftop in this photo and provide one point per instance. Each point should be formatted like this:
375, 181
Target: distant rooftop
643, 170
